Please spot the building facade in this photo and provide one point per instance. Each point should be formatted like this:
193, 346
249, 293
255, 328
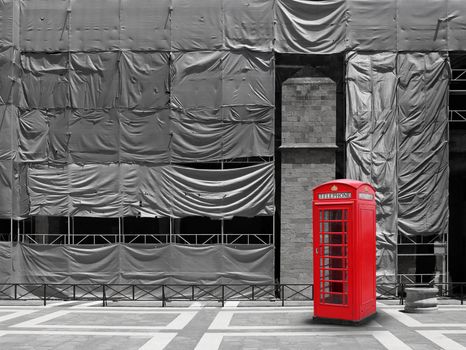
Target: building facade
178, 142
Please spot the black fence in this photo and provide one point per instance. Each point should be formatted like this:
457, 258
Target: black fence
165, 293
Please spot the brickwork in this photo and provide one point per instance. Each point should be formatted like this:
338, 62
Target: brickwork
308, 132
309, 111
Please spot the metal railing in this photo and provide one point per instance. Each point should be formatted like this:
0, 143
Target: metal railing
147, 238
221, 293
163, 293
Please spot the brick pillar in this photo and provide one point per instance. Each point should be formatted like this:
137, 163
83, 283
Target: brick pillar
308, 159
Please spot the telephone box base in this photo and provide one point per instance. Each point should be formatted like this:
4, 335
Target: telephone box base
343, 322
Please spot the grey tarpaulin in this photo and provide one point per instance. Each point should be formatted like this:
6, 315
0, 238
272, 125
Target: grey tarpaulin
289, 26
93, 79
145, 136
145, 25
396, 139
44, 80
144, 80
422, 162
6, 263
135, 264
332, 26
97, 107
371, 144
310, 26
169, 190
87, 136
6, 188
248, 24
94, 25
9, 71
212, 79
44, 25
197, 27
9, 23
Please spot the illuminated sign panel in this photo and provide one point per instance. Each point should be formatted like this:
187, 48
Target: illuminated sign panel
366, 196
335, 195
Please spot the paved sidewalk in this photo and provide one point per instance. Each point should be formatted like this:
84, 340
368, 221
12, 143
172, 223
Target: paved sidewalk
205, 326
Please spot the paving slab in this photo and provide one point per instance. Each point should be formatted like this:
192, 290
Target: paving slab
208, 326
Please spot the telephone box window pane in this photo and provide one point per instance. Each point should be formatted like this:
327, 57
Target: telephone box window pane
334, 275
334, 250
333, 239
334, 263
334, 227
334, 287
335, 214
341, 299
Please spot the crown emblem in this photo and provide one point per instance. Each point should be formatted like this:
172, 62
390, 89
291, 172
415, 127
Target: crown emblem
334, 188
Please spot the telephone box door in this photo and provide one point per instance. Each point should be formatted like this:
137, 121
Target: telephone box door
331, 261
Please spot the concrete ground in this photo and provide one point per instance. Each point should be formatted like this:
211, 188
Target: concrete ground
205, 326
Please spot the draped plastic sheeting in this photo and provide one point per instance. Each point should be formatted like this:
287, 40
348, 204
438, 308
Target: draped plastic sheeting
289, 26
332, 26
397, 122
169, 190
310, 26
422, 162
96, 107
9, 23
135, 264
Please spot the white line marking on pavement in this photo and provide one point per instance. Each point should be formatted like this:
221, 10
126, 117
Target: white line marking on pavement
212, 341
157, 341
33, 322
231, 303
89, 304
268, 308
62, 303
223, 319
195, 305
15, 313
413, 323
388, 340
183, 318
439, 338
403, 318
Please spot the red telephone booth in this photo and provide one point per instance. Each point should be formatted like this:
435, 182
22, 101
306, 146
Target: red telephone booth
344, 251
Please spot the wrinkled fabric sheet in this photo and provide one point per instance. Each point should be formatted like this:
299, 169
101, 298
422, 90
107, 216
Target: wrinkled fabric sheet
128, 190
332, 26
136, 264
286, 26
397, 122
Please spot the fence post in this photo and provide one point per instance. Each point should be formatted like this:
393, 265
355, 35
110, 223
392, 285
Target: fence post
163, 295
103, 295
192, 293
16, 291
132, 291
45, 294
283, 294
223, 295
74, 291
253, 292
402, 294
